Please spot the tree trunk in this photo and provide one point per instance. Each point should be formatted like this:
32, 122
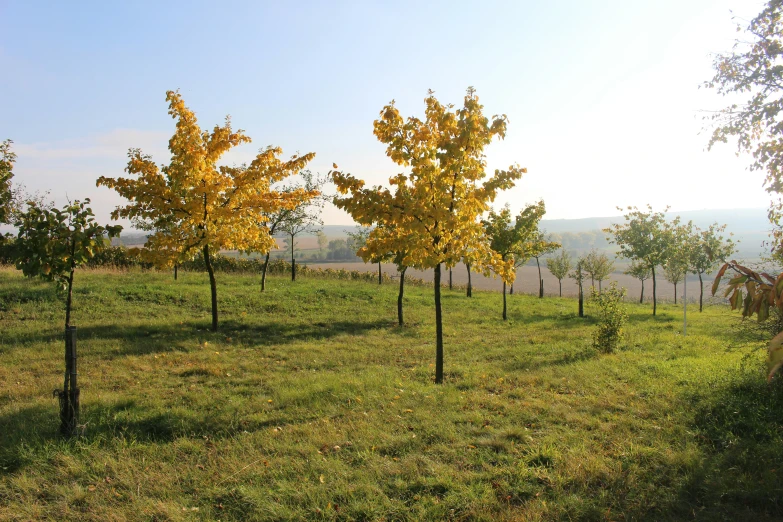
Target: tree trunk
540, 281
701, 292
263, 272
293, 261
581, 302
599, 285
212, 287
675, 293
641, 299
505, 317
560, 283
470, 284
511, 289
68, 300
380, 276
399, 297
592, 282
69, 397
655, 303
438, 330
176, 266
450, 285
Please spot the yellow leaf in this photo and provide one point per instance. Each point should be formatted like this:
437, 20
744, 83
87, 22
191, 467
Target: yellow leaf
775, 355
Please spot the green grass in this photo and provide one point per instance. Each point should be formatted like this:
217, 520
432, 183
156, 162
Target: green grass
311, 404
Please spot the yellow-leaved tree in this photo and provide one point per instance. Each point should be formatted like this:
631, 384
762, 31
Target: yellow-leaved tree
194, 205
433, 215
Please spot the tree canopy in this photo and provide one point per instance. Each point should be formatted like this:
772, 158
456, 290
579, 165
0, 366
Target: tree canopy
514, 241
646, 237
751, 76
560, 265
195, 205
709, 250
435, 208
7, 160
52, 243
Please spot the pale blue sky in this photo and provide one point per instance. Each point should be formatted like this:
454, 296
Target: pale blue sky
602, 95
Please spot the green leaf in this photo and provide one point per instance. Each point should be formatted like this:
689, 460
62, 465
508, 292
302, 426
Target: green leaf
738, 280
763, 312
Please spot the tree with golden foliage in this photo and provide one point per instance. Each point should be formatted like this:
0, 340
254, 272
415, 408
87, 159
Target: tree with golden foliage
434, 211
195, 205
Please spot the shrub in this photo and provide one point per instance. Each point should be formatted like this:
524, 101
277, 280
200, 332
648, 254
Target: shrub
613, 317
7, 250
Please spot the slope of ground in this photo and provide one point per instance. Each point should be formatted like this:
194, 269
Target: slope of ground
311, 404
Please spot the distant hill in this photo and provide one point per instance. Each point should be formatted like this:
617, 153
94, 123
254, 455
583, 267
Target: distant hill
750, 227
738, 220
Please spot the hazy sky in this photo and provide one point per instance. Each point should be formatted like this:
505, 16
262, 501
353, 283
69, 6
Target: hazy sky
602, 96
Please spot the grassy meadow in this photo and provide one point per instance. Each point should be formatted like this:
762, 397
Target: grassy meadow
311, 404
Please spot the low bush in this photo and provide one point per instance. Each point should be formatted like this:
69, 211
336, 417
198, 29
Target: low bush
613, 317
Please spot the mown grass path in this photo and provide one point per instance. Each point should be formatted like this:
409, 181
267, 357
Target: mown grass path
310, 403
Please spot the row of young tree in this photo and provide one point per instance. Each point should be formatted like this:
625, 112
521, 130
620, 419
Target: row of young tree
652, 243
434, 215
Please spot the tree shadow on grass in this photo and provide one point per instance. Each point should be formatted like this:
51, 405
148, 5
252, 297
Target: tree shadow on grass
23, 429
14, 296
740, 427
650, 318
525, 364
140, 339
30, 433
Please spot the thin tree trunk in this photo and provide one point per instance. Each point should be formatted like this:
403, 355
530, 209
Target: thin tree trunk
701, 292
450, 285
263, 272
505, 317
655, 303
176, 266
470, 283
599, 285
592, 282
212, 287
540, 281
399, 297
560, 283
380, 277
511, 289
641, 299
68, 300
293, 261
438, 330
581, 302
675, 293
